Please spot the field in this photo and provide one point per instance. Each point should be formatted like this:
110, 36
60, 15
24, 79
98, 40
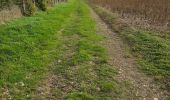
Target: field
152, 12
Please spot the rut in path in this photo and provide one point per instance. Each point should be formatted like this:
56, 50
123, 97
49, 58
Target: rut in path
143, 86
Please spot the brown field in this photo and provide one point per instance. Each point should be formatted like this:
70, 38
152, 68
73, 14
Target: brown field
154, 11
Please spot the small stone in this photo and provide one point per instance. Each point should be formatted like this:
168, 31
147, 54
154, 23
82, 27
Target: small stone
28, 96
22, 84
155, 99
90, 62
98, 89
59, 61
119, 72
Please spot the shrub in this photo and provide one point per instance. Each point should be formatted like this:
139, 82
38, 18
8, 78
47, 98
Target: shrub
42, 4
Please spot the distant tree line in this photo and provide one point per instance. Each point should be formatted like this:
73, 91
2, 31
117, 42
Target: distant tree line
28, 7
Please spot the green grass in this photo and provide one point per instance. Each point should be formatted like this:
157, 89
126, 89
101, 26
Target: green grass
151, 49
65, 33
28, 45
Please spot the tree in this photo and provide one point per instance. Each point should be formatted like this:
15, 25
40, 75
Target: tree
28, 7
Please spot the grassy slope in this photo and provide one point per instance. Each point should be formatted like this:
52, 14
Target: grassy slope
151, 49
65, 34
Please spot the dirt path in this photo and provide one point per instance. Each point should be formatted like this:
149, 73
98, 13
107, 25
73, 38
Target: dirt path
67, 79
143, 86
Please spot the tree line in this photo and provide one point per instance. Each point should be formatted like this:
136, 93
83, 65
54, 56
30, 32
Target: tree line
28, 7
